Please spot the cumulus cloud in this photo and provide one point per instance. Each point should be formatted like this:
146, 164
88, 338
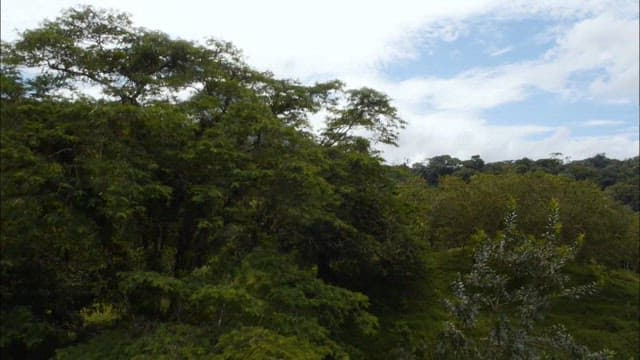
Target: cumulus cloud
463, 135
309, 39
605, 45
292, 38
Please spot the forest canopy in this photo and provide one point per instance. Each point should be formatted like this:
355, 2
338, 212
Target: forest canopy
160, 198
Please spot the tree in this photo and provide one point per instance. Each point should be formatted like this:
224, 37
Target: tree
365, 109
102, 48
437, 167
626, 193
110, 203
497, 307
265, 304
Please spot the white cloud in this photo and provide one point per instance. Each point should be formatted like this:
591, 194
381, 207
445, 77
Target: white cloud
606, 45
473, 90
597, 123
292, 38
502, 51
463, 135
302, 39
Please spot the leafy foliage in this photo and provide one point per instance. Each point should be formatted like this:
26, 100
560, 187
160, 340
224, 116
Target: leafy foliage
498, 304
456, 210
619, 177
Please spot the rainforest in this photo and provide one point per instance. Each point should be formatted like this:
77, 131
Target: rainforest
162, 199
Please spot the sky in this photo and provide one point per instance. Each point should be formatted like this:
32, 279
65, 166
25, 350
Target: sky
499, 79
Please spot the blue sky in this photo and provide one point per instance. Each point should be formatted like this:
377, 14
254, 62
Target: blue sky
500, 79
490, 43
486, 42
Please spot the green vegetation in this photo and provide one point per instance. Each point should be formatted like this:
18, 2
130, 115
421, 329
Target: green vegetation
497, 306
189, 211
619, 178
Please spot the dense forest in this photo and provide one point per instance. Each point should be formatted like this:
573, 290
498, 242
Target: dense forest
161, 199
619, 178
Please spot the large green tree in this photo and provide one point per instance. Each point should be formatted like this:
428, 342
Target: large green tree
188, 193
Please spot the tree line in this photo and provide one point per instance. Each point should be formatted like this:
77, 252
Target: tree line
618, 178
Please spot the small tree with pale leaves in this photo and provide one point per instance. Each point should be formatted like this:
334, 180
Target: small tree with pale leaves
497, 306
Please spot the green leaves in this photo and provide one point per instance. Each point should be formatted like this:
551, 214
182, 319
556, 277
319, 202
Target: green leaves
458, 209
365, 109
268, 301
225, 306
259, 343
498, 305
19, 325
151, 294
102, 48
154, 341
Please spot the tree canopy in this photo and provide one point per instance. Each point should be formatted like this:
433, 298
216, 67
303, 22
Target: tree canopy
148, 201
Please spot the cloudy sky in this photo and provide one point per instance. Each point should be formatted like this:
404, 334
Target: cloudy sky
502, 79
